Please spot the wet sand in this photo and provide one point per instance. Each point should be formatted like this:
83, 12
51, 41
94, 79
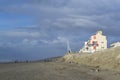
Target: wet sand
54, 71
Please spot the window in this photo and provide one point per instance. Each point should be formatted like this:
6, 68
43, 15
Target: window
102, 47
95, 43
102, 42
94, 37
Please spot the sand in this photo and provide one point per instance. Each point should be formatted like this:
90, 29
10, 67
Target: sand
54, 71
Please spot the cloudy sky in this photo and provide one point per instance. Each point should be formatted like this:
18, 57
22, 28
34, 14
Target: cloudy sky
35, 29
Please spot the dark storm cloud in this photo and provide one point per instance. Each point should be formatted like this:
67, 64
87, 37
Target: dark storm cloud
59, 17
57, 21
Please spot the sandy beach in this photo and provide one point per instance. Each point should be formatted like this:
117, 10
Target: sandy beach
53, 71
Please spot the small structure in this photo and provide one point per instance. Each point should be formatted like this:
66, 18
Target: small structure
116, 44
68, 47
96, 42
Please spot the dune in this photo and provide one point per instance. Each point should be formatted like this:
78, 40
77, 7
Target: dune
107, 59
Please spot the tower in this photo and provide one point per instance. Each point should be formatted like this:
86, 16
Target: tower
68, 47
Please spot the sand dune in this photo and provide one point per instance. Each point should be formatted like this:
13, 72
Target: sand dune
107, 59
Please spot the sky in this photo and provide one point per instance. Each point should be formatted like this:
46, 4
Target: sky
37, 29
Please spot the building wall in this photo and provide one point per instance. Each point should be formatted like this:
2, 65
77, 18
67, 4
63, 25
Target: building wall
116, 44
101, 42
96, 42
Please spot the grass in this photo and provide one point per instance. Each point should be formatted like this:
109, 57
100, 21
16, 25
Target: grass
107, 59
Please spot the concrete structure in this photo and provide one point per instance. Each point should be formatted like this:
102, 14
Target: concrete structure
68, 47
116, 44
96, 42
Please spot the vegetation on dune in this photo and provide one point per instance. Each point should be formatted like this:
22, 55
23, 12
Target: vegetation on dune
107, 59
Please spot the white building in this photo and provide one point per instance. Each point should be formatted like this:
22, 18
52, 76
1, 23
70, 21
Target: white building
116, 44
96, 42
